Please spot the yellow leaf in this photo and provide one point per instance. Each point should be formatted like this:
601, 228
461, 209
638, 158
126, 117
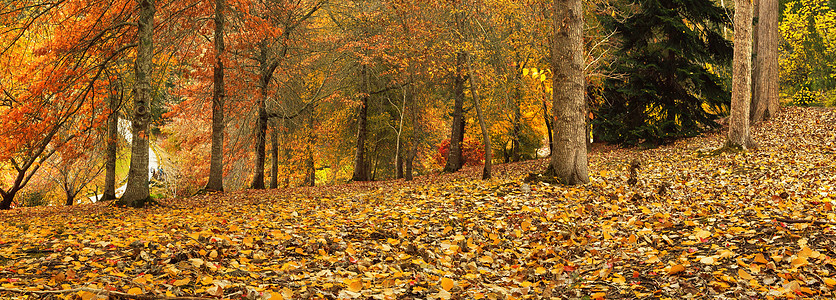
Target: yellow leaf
632, 239
248, 241
799, 262
542, 77
182, 282
744, 275
708, 260
135, 291
275, 295
447, 229
703, 234
760, 259
354, 285
676, 269
525, 71
540, 271
599, 295
830, 281
525, 225
85, 295
447, 283
486, 259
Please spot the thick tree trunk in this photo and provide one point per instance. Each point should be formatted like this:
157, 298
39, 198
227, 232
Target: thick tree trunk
137, 192
8, 198
568, 162
486, 135
216, 165
765, 97
454, 156
274, 156
70, 198
112, 148
741, 76
360, 167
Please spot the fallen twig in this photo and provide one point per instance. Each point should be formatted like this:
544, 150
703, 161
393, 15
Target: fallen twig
793, 221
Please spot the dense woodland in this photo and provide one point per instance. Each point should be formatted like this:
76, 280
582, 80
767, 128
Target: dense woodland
234, 94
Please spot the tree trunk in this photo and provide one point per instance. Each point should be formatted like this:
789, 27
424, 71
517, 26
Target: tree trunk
741, 76
261, 121
310, 167
70, 200
360, 167
8, 198
486, 136
547, 117
454, 156
516, 127
765, 98
568, 162
112, 148
137, 193
413, 144
274, 156
398, 160
216, 165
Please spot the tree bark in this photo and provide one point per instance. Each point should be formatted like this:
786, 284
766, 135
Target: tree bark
741, 76
568, 162
454, 156
486, 135
413, 144
765, 98
516, 126
546, 118
266, 74
112, 148
216, 165
274, 156
137, 192
360, 167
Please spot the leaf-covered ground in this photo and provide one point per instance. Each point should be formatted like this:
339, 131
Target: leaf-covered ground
746, 225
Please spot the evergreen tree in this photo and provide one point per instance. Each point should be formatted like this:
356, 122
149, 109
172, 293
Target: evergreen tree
667, 90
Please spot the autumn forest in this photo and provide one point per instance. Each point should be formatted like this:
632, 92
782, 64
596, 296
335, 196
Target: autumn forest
389, 149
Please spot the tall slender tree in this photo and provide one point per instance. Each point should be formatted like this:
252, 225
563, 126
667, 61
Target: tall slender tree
216, 164
568, 162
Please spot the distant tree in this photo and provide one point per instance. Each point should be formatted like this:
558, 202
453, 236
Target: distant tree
568, 162
668, 90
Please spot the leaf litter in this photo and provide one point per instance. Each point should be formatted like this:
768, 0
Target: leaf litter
745, 225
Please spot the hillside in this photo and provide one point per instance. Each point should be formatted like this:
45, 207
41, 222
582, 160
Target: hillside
744, 225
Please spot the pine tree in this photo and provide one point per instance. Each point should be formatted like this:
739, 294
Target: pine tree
667, 90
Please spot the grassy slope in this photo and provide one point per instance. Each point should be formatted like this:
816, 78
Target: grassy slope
728, 226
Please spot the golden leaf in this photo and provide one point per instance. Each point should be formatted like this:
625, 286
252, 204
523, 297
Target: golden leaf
447, 283
676, 269
135, 291
744, 275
